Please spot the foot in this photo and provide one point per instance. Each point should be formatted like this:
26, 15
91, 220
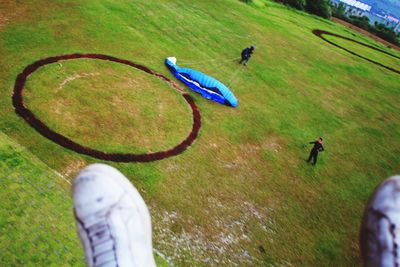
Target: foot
380, 229
112, 219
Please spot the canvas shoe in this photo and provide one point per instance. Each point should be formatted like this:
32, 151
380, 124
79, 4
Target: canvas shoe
380, 229
112, 219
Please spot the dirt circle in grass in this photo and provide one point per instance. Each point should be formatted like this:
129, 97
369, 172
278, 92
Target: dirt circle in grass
321, 33
93, 114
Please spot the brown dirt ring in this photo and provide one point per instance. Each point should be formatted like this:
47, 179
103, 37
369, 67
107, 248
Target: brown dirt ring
44, 130
320, 34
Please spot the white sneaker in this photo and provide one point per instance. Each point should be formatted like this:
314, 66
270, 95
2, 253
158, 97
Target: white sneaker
380, 229
112, 219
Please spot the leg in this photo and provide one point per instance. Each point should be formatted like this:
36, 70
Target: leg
112, 219
315, 157
379, 238
310, 157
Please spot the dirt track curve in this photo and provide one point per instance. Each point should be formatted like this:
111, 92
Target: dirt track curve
320, 34
44, 130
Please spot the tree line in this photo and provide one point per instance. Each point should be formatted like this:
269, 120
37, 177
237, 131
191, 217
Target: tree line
326, 9
361, 21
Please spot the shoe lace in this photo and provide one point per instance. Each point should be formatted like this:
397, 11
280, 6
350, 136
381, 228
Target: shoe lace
102, 243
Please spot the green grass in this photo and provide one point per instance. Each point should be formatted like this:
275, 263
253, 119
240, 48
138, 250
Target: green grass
80, 98
374, 55
36, 218
243, 184
37, 225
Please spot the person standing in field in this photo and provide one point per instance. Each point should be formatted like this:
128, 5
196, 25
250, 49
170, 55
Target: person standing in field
318, 147
246, 54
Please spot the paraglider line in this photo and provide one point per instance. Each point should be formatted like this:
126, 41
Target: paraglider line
43, 129
235, 75
187, 63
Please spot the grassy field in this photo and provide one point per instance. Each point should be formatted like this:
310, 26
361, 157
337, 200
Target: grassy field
36, 219
160, 122
242, 194
391, 60
37, 226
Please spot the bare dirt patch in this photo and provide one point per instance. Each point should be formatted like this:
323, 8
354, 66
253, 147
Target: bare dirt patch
74, 77
273, 144
11, 11
72, 168
225, 245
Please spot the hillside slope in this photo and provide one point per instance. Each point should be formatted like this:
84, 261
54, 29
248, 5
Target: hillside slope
35, 211
242, 194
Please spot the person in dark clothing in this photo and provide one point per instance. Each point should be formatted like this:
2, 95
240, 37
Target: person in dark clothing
246, 54
318, 147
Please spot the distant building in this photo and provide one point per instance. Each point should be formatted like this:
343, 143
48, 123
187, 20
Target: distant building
373, 12
357, 4
392, 19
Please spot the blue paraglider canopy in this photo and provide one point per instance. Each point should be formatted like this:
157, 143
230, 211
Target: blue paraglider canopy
203, 84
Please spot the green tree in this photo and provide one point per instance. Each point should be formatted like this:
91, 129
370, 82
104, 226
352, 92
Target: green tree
339, 10
298, 4
362, 22
319, 7
386, 33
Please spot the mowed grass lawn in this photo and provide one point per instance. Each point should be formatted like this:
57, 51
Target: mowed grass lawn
242, 194
108, 106
391, 60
